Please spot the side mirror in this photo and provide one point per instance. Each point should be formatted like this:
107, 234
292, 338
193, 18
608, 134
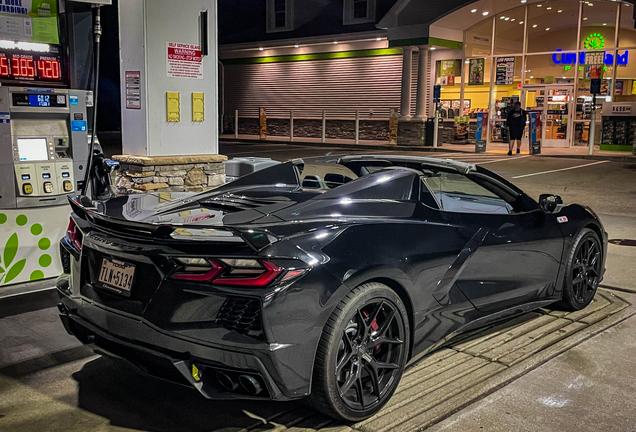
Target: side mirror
550, 203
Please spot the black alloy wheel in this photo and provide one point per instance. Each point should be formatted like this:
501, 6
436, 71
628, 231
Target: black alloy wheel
362, 354
583, 271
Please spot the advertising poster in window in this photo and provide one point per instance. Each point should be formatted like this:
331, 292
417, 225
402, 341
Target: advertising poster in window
449, 70
595, 61
505, 70
619, 87
476, 71
29, 21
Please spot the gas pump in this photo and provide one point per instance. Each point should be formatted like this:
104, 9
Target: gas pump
43, 146
44, 140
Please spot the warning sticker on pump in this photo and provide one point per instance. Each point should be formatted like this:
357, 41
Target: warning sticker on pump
183, 61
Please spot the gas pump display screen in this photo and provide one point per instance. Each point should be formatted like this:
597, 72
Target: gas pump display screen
32, 149
30, 67
39, 100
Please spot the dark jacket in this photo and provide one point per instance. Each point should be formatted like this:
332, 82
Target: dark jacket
516, 120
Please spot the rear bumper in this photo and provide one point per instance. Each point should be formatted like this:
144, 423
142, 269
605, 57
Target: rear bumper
170, 357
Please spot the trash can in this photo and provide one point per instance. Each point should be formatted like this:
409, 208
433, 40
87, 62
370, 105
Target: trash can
241, 166
429, 132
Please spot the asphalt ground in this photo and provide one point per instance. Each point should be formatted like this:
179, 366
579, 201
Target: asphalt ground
544, 371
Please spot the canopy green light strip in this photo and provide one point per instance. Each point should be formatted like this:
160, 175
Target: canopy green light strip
317, 56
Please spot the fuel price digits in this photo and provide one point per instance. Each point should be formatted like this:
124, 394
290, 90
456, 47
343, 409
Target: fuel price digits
26, 68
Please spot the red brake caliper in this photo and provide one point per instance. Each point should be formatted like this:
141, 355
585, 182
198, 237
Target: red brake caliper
374, 326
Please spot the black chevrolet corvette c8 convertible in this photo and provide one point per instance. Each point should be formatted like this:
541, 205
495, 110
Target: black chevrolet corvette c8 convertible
318, 279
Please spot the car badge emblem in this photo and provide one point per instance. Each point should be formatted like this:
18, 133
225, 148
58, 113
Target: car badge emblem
562, 219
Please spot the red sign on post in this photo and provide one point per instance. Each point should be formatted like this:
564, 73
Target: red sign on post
183, 61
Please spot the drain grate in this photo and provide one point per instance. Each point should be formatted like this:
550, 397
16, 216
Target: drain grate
623, 242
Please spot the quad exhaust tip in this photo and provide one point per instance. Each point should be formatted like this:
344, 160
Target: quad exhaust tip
250, 384
226, 381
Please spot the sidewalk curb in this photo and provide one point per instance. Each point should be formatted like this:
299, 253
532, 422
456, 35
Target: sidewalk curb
345, 145
424, 149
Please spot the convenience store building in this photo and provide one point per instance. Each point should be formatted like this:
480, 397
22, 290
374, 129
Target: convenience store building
484, 54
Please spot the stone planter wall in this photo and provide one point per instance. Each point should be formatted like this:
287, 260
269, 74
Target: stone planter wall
169, 173
377, 130
447, 134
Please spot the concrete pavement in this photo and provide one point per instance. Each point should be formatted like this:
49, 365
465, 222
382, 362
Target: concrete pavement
588, 388
544, 371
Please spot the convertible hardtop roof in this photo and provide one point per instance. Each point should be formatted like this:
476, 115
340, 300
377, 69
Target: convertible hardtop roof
462, 167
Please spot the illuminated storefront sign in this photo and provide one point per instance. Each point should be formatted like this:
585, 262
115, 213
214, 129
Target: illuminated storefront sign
570, 58
595, 41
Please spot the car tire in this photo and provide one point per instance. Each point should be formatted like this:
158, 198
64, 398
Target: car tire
362, 353
582, 271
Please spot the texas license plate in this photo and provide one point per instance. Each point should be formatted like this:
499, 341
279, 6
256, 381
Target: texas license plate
117, 275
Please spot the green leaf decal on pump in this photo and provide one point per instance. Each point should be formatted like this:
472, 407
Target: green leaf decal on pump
10, 249
15, 270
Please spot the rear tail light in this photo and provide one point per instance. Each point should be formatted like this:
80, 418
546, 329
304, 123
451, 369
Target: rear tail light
74, 235
246, 276
202, 271
233, 272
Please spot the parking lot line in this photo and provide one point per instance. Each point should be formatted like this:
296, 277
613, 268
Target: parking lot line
562, 169
505, 159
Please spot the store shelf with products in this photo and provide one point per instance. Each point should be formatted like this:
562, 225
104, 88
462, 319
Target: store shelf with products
499, 131
583, 107
449, 108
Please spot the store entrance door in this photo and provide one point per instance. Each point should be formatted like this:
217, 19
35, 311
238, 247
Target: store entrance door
553, 105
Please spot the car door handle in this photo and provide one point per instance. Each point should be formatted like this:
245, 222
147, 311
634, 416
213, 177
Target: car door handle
506, 230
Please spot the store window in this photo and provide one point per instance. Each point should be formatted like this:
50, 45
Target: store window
509, 28
552, 26
358, 11
625, 90
479, 40
279, 15
557, 68
448, 76
477, 88
627, 30
506, 91
598, 25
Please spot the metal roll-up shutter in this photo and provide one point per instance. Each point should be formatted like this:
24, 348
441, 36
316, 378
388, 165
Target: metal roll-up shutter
339, 86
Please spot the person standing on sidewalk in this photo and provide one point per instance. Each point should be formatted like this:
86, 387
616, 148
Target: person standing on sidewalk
516, 122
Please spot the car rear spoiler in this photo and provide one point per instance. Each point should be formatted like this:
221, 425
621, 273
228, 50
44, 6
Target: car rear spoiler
85, 209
